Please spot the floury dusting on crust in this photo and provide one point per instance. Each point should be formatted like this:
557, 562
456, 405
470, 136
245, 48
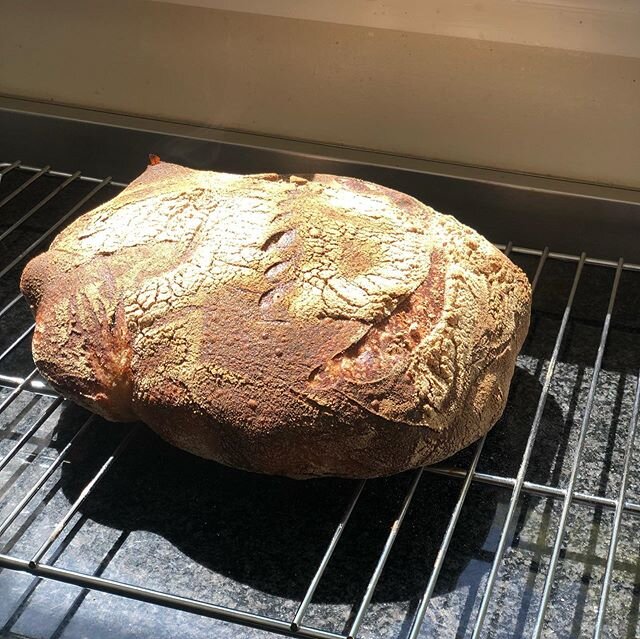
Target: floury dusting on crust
303, 326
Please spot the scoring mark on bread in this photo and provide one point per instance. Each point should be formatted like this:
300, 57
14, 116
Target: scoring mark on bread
271, 298
275, 270
279, 239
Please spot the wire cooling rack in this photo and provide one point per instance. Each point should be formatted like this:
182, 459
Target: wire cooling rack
568, 474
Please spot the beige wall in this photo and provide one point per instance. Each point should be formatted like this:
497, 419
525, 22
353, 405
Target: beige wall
603, 26
541, 110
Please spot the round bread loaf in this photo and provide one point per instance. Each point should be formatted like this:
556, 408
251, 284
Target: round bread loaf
301, 326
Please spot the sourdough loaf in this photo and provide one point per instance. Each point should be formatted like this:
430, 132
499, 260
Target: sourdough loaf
301, 326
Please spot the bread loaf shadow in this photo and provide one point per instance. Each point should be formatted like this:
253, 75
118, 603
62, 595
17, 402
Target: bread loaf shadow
270, 533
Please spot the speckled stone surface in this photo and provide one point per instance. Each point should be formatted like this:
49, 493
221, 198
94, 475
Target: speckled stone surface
174, 523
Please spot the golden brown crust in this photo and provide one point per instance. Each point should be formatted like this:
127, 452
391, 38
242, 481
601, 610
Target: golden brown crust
302, 326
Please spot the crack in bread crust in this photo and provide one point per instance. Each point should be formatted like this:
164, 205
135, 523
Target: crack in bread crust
304, 326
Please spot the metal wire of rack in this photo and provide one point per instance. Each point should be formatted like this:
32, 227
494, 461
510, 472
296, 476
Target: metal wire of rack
41, 563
